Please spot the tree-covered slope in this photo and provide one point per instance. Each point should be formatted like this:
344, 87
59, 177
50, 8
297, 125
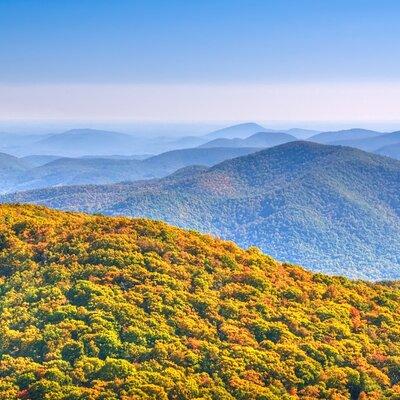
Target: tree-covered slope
95, 307
329, 208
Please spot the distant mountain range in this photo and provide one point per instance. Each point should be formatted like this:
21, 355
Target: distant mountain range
101, 157
36, 160
242, 131
300, 133
392, 150
10, 167
92, 142
236, 131
33, 172
87, 156
99, 144
88, 142
344, 135
12, 142
260, 139
374, 143
331, 208
80, 142
377, 142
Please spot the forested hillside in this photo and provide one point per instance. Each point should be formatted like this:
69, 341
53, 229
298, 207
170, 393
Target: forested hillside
332, 209
94, 307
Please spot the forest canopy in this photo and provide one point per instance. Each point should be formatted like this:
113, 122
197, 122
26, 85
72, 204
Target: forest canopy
94, 307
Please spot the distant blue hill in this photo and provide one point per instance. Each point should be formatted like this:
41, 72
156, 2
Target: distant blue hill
260, 139
373, 143
337, 137
236, 131
33, 172
392, 150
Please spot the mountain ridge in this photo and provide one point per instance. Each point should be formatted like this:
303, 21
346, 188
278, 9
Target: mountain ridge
104, 170
259, 139
300, 202
236, 131
331, 137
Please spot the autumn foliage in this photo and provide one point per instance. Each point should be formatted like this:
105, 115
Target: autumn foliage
93, 307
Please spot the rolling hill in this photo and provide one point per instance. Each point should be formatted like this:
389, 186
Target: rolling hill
260, 139
112, 169
170, 161
335, 137
13, 142
113, 308
235, 131
94, 142
39, 160
387, 144
333, 209
69, 171
11, 169
244, 130
80, 142
301, 133
392, 150
184, 142
11, 164
374, 143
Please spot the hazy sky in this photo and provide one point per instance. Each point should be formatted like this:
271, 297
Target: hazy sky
200, 60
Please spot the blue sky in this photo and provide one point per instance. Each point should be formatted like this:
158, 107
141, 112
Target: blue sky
294, 42
199, 41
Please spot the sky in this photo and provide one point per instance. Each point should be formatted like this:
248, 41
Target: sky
286, 60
